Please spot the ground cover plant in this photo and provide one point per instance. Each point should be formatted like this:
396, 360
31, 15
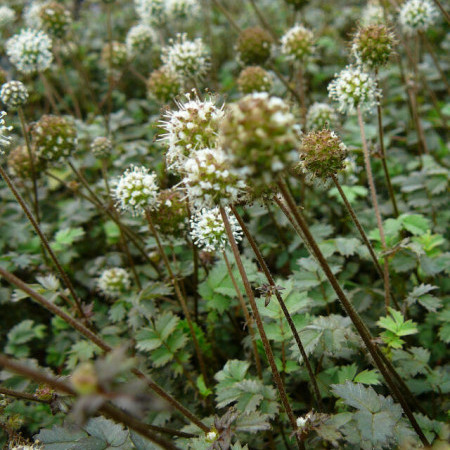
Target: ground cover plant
223, 224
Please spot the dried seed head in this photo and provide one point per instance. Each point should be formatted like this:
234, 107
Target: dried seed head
254, 46
254, 79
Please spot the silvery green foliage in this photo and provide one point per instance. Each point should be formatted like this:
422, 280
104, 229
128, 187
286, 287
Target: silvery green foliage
30, 51
417, 15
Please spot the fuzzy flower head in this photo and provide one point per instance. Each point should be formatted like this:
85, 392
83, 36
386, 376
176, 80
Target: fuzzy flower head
208, 230
171, 215
321, 115
14, 94
254, 79
209, 178
353, 88
101, 146
137, 190
322, 153
417, 15
151, 12
30, 51
55, 19
181, 8
5, 140
19, 163
114, 54
188, 59
140, 39
373, 46
113, 282
259, 132
372, 14
298, 43
163, 85
7, 16
54, 138
254, 46
193, 126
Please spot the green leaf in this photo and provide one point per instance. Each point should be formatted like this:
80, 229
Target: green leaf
368, 377
415, 223
21, 334
66, 237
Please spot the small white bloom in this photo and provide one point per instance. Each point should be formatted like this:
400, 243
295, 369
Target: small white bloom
101, 146
7, 16
297, 43
208, 230
112, 282
14, 94
5, 140
30, 51
301, 422
139, 39
181, 8
212, 436
321, 115
417, 15
151, 12
372, 14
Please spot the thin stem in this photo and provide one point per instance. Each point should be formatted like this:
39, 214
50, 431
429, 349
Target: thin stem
49, 91
228, 16
268, 350
248, 317
351, 312
265, 24
22, 395
435, 60
287, 315
301, 88
44, 241
443, 11
180, 296
373, 194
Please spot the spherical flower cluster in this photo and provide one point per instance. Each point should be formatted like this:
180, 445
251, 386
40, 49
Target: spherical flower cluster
55, 19
181, 8
54, 138
322, 153
18, 443
373, 45
101, 146
208, 230
19, 163
321, 115
171, 214
188, 59
5, 140
254, 46
298, 43
114, 54
137, 190
30, 51
254, 79
353, 88
417, 15
140, 39
7, 16
150, 11
112, 282
260, 134
194, 126
14, 94
209, 178
163, 85
31, 14
372, 14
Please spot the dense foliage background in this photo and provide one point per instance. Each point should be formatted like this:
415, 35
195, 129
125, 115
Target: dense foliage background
178, 330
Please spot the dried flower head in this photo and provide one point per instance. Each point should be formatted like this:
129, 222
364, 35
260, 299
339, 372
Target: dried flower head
321, 115
322, 153
55, 19
209, 178
30, 51
113, 282
417, 15
208, 230
114, 54
188, 59
140, 39
137, 190
14, 94
5, 140
353, 88
254, 79
54, 138
170, 217
151, 12
163, 85
298, 43
260, 134
19, 163
254, 46
101, 146
373, 45
7, 16
193, 126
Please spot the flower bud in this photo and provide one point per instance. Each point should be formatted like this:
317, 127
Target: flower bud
298, 43
254, 79
101, 146
254, 46
171, 214
113, 282
163, 85
373, 45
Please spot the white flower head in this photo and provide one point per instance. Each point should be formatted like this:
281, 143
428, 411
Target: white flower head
372, 13
101, 146
321, 115
298, 43
14, 94
5, 140
193, 126
181, 8
417, 15
137, 190
7, 16
208, 230
211, 436
188, 59
210, 180
31, 14
353, 88
30, 51
151, 12
140, 39
112, 282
